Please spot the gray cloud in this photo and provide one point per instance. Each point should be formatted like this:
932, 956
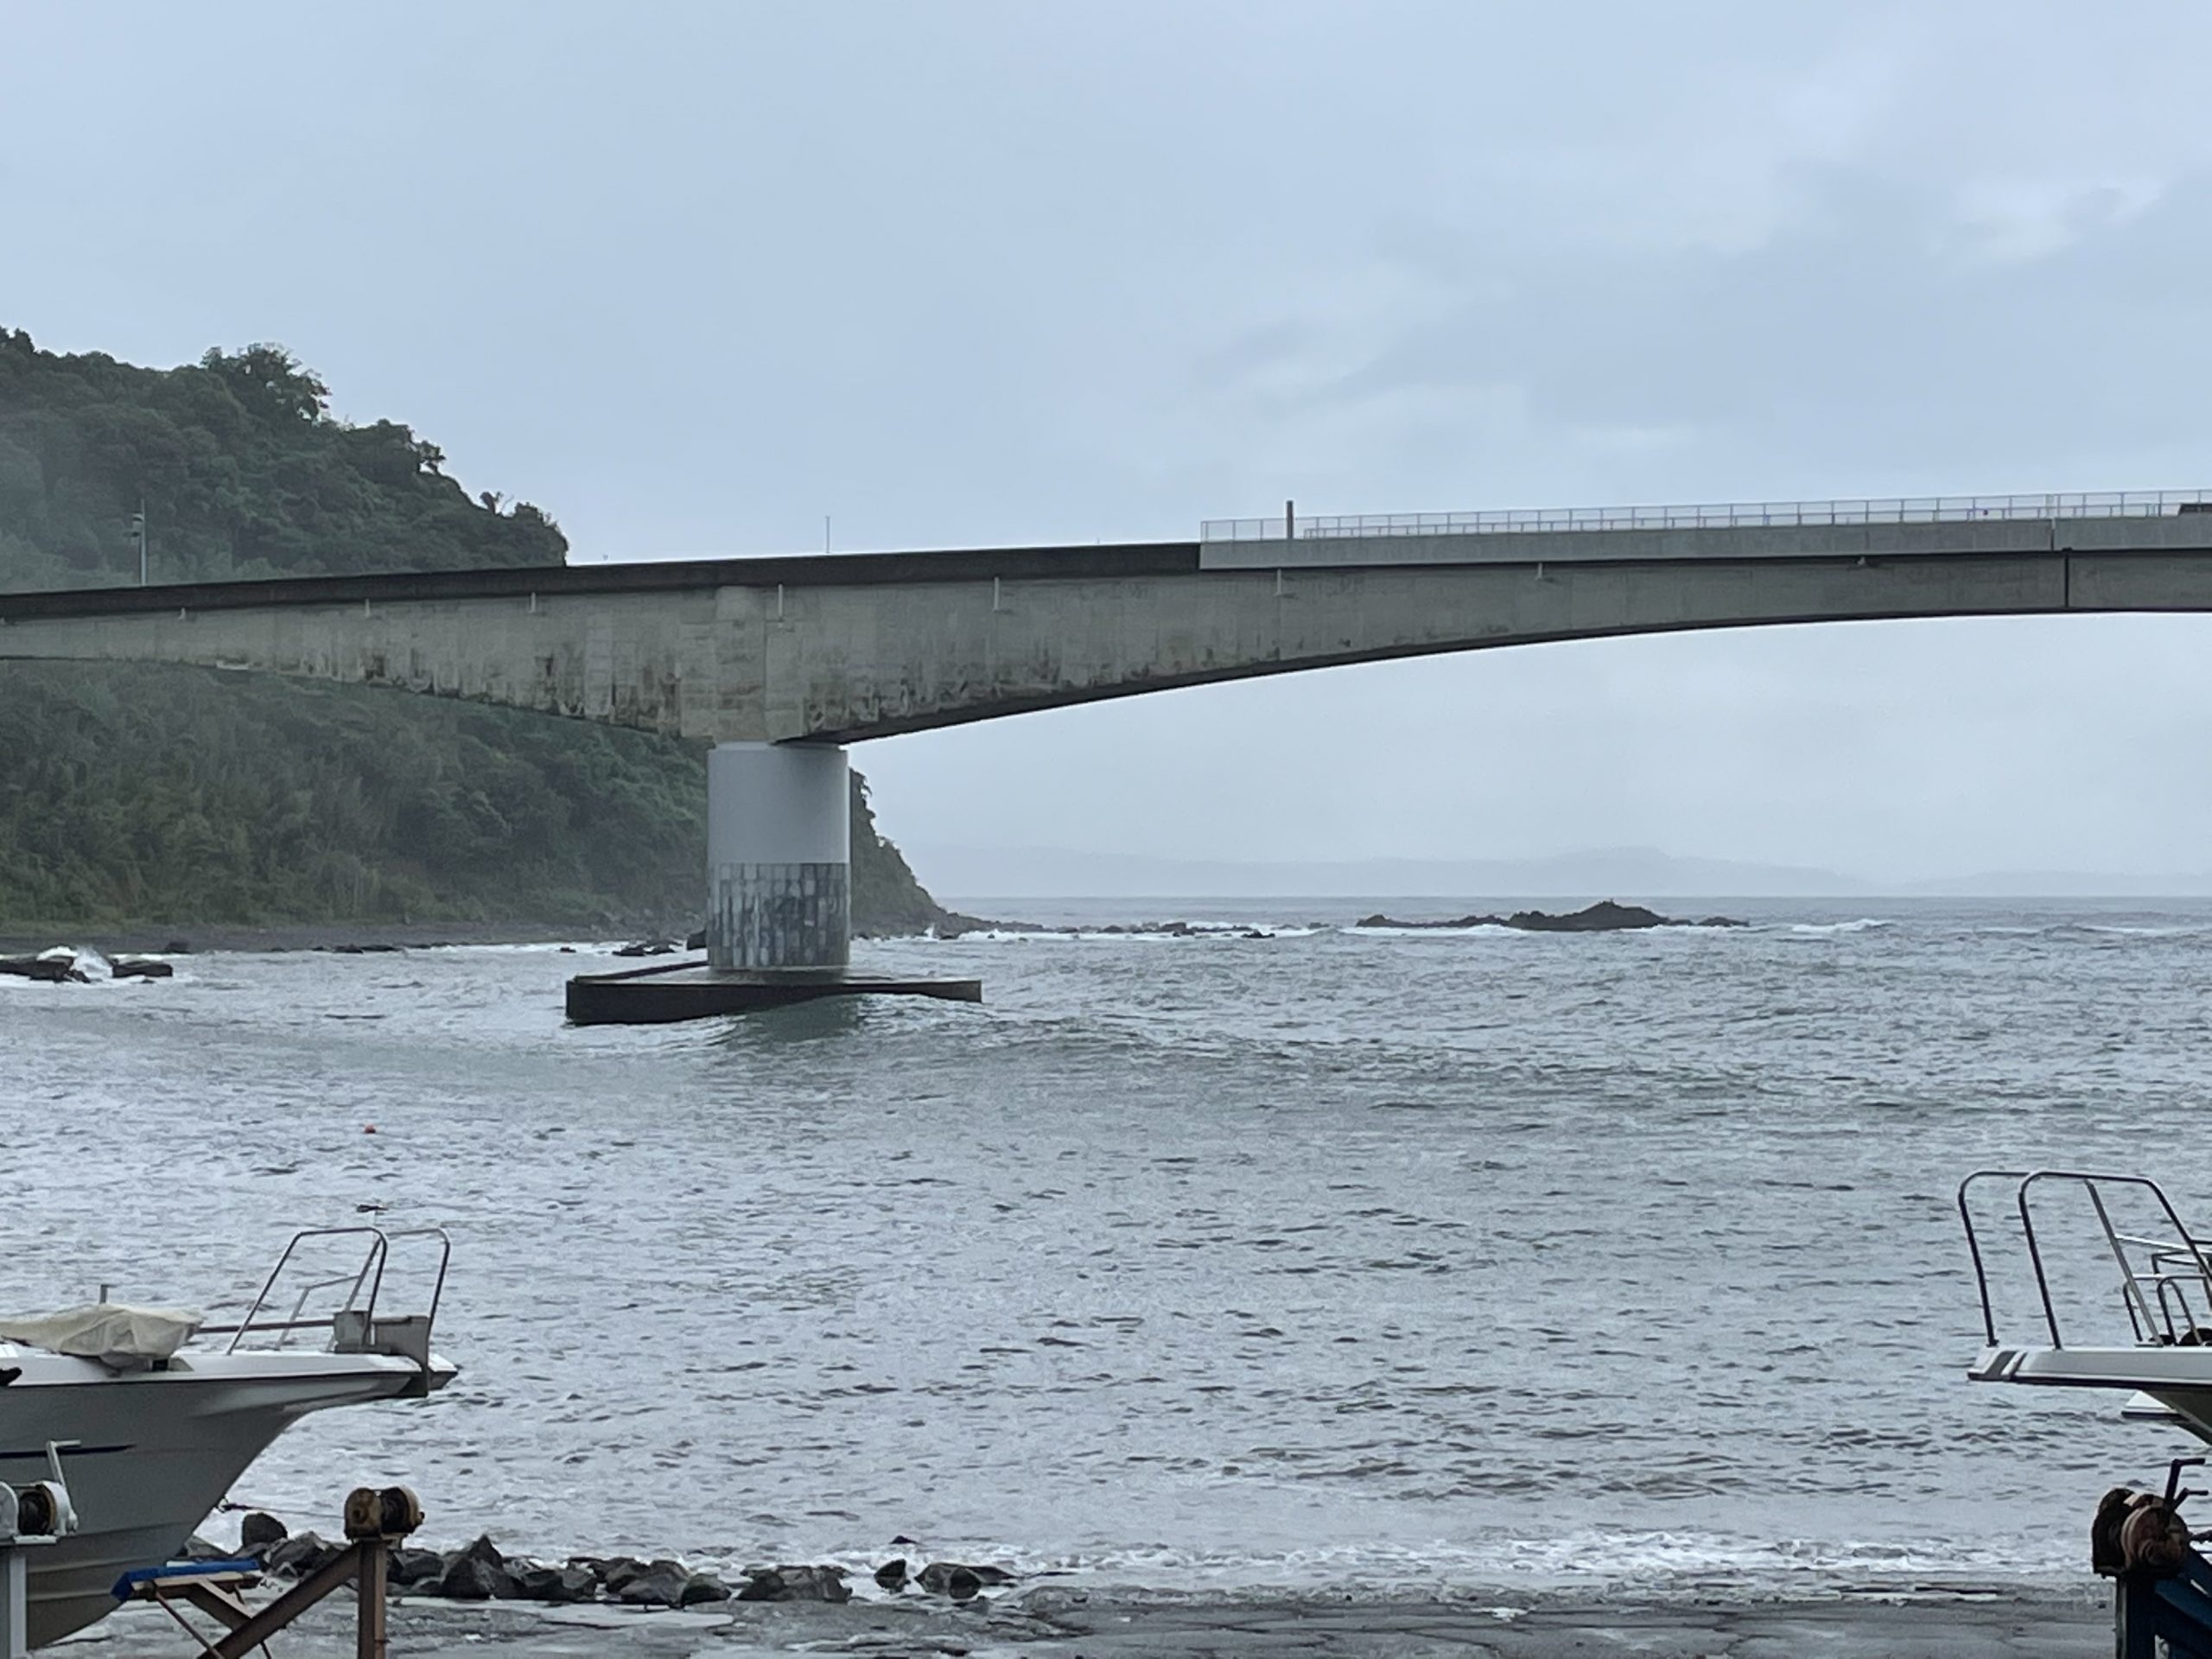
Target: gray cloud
1000, 272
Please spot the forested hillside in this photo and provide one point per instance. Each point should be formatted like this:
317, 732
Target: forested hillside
242, 473
134, 793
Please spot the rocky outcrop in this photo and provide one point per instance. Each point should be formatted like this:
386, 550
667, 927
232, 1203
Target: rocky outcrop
52, 968
1604, 916
65, 965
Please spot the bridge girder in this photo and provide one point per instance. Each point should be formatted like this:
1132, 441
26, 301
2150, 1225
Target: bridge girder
837, 659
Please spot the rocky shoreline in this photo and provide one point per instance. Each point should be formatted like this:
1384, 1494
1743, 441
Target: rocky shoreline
137, 945
482, 1572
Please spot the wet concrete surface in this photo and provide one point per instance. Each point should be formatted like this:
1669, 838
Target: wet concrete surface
1053, 1623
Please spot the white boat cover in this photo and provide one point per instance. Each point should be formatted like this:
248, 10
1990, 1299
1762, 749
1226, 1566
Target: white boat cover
120, 1337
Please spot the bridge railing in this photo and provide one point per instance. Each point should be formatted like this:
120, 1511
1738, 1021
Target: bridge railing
1896, 509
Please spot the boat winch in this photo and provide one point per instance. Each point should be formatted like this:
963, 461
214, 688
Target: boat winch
36, 1513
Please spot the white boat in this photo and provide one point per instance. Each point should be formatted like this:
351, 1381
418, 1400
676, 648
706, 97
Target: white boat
151, 1446
2160, 1356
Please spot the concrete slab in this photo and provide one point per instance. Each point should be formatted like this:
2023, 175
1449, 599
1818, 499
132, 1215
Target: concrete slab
691, 990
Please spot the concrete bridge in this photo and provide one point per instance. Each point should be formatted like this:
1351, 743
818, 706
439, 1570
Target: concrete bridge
779, 661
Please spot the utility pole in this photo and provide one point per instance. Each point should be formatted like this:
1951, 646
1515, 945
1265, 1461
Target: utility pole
138, 535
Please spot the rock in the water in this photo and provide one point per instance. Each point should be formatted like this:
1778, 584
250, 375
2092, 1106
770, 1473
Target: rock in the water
140, 968
661, 1585
704, 1586
959, 1579
477, 1574
891, 1575
795, 1583
258, 1531
695, 940
555, 1584
1604, 916
409, 1566
648, 948
54, 968
300, 1554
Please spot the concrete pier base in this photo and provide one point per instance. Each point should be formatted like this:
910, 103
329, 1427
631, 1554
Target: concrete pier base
779, 901
663, 995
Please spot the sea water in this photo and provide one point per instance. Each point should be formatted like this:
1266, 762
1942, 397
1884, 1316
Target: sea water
1326, 1256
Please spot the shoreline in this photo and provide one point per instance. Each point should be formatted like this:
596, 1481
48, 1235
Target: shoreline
1066, 1623
155, 939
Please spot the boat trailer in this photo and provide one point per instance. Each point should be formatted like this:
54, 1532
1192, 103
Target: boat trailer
375, 1520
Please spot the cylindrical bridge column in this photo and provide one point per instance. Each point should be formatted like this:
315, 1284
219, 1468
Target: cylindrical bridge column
779, 857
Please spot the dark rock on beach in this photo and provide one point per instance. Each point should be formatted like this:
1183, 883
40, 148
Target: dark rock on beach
553, 1584
648, 948
705, 1587
891, 1575
477, 1574
661, 1585
958, 1579
140, 968
411, 1566
258, 1531
613, 1570
301, 1554
1604, 916
795, 1583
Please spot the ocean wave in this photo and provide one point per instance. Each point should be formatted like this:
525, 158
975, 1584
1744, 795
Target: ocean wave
1648, 1565
1829, 930
2117, 929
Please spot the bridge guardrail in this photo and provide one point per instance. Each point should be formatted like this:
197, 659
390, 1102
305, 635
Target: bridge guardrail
1896, 509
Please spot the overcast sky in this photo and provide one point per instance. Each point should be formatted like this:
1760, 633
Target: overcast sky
693, 276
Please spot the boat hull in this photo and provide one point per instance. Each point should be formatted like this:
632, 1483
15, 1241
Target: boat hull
147, 1455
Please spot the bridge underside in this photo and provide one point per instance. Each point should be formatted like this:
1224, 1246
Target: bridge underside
839, 661
777, 662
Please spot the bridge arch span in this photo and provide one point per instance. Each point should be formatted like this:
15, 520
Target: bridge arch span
840, 650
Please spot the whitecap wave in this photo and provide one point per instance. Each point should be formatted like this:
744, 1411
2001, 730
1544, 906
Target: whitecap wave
1651, 1564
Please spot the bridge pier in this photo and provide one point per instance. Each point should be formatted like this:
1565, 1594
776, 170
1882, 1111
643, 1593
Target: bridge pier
779, 899
779, 890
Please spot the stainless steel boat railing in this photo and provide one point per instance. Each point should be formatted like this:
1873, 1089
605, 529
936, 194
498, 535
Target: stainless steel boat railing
357, 1324
2165, 1281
